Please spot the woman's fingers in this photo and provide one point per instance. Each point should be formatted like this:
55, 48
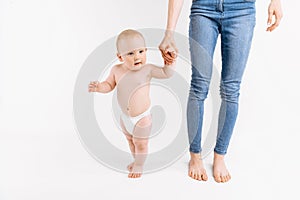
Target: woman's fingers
167, 57
274, 10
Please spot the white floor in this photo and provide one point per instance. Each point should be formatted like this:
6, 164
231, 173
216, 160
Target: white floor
37, 167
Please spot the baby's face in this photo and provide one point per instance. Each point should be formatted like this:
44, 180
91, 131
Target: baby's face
133, 52
135, 59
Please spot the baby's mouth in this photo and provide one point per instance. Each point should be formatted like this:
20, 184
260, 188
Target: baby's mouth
137, 63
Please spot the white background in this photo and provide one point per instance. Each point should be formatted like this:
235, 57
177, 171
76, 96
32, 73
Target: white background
43, 45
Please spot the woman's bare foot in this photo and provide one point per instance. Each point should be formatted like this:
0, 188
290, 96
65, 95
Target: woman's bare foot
136, 171
196, 168
220, 172
129, 167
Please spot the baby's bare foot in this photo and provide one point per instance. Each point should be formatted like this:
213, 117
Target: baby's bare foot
221, 174
129, 167
136, 171
196, 168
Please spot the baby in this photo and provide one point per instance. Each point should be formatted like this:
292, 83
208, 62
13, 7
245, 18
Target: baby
132, 79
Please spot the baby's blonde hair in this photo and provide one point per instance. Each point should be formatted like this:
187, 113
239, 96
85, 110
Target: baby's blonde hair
128, 33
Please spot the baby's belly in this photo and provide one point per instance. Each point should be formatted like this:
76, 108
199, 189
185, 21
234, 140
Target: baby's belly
135, 104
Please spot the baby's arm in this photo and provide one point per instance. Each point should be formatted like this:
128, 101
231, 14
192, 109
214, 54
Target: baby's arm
162, 72
105, 86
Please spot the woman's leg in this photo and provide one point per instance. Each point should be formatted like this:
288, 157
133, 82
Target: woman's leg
203, 33
236, 37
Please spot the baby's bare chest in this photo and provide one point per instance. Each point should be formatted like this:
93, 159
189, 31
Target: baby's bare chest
132, 80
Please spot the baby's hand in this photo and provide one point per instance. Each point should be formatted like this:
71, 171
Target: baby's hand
94, 86
169, 57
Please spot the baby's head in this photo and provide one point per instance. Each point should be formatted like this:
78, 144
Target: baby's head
131, 49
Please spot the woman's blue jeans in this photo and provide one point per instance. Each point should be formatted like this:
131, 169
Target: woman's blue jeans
234, 21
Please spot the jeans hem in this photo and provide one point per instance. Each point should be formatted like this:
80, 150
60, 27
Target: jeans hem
220, 152
193, 151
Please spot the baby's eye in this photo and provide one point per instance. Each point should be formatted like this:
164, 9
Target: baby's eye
141, 51
130, 54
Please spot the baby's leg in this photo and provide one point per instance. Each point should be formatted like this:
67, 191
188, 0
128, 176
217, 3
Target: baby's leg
130, 142
141, 134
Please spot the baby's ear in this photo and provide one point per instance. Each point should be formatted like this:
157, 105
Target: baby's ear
120, 57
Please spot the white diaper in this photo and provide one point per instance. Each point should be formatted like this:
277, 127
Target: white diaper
130, 122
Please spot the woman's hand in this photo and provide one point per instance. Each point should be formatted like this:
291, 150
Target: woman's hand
168, 48
274, 10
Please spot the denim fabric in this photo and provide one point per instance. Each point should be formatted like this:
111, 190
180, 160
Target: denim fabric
234, 21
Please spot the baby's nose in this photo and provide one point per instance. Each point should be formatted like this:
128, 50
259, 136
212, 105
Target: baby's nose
136, 55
